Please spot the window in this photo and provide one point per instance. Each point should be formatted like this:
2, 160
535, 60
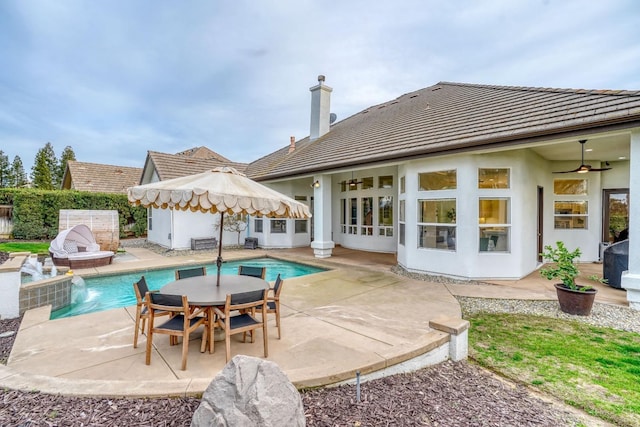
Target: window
300, 198
150, 218
301, 226
577, 187
402, 185
441, 180
401, 220
367, 183
385, 216
278, 226
493, 178
343, 216
570, 215
436, 224
385, 181
257, 225
367, 216
353, 218
494, 224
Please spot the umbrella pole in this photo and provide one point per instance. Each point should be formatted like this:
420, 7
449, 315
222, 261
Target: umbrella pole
219, 259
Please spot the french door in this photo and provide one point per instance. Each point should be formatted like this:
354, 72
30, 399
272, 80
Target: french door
615, 215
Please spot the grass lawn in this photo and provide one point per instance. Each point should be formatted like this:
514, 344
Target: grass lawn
592, 368
39, 248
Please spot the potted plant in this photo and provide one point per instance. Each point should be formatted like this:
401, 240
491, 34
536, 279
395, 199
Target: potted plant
573, 298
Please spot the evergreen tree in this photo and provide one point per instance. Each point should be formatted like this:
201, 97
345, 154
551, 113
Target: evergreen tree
5, 170
18, 174
67, 154
41, 175
52, 162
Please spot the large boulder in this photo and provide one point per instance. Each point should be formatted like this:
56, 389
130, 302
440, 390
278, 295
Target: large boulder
250, 392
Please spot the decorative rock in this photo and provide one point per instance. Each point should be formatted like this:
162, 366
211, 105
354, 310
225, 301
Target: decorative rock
7, 334
250, 392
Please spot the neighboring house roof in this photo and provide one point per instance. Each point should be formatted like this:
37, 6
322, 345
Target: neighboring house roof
448, 117
203, 153
99, 178
168, 166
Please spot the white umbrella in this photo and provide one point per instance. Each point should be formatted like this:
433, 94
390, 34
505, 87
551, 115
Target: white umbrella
220, 190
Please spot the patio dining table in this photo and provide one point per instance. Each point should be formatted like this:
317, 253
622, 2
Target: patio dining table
202, 291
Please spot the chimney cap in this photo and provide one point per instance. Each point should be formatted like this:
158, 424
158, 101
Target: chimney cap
321, 78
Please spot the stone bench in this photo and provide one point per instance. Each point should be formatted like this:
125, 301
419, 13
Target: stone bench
198, 243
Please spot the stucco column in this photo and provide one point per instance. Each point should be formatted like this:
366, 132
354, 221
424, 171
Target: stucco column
322, 244
631, 278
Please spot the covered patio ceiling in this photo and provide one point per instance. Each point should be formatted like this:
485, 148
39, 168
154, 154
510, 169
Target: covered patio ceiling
611, 148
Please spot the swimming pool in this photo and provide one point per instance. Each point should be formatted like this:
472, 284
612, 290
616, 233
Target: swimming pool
107, 292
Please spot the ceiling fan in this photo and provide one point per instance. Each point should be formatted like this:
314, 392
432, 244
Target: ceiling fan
353, 183
584, 168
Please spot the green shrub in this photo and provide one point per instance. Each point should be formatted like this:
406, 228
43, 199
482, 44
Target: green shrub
36, 212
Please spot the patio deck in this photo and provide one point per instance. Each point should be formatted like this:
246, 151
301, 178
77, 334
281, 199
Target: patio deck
358, 316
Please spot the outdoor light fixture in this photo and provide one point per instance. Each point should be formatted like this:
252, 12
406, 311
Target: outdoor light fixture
316, 184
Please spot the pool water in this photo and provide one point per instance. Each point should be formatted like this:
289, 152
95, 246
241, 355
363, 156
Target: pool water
107, 292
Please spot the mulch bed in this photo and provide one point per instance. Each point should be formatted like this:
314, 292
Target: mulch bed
449, 394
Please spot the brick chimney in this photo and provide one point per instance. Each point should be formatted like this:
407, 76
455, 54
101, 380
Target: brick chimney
320, 104
292, 144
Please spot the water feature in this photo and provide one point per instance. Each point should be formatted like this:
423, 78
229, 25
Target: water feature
106, 292
32, 267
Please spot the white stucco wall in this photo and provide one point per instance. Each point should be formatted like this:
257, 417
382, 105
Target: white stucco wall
527, 172
187, 224
297, 189
160, 227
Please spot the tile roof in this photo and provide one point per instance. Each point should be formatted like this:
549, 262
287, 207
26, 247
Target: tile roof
169, 166
99, 178
450, 116
203, 153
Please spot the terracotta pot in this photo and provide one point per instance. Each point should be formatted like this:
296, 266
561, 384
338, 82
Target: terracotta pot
575, 302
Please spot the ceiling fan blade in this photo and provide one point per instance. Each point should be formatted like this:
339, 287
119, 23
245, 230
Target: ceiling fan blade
571, 171
599, 169
564, 171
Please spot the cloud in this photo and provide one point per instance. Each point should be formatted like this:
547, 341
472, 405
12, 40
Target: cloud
116, 79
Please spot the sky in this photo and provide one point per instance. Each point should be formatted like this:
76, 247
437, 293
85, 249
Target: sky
114, 79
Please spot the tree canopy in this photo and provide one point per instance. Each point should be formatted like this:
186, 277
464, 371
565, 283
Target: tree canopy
42, 172
5, 170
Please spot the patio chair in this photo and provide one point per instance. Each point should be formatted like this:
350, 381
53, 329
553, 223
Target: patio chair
246, 303
181, 323
273, 301
185, 273
248, 270
141, 289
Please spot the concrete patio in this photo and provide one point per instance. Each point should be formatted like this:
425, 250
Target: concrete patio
357, 316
